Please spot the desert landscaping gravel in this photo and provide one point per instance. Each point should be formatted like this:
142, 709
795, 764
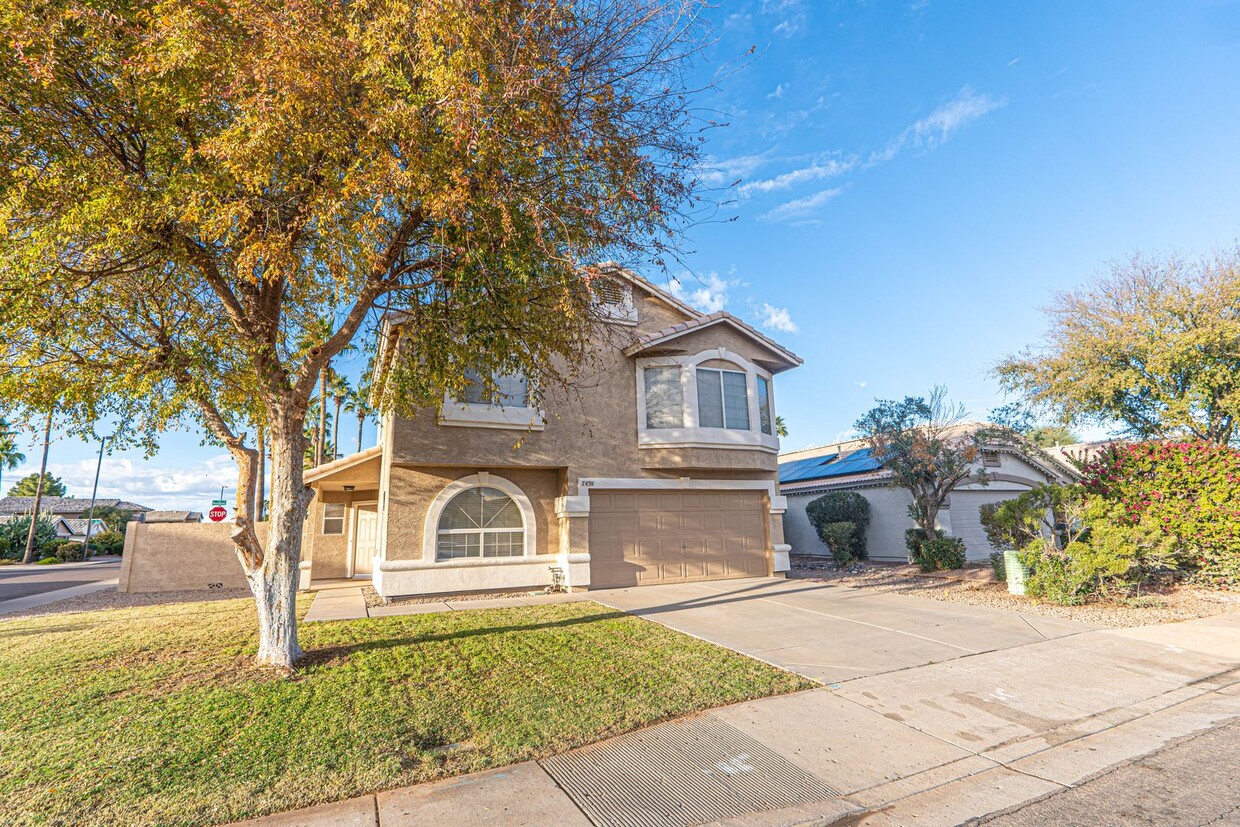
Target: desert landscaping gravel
1184, 603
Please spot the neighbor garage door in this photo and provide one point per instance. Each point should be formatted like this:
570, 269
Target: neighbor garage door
967, 520
640, 538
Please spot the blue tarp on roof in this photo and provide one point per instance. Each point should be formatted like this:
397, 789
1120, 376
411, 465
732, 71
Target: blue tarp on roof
825, 467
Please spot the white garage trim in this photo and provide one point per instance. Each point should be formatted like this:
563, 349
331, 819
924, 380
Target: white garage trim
779, 504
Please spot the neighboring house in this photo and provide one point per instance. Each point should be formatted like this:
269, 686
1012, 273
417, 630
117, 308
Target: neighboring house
71, 529
660, 466
169, 517
73, 507
848, 466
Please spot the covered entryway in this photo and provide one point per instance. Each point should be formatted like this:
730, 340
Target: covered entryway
642, 538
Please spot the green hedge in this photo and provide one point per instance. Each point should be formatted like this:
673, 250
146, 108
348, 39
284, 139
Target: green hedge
840, 518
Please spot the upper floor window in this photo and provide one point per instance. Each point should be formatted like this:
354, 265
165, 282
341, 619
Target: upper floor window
664, 397
509, 391
723, 399
714, 398
764, 405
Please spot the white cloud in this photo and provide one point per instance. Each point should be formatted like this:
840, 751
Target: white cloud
777, 93
816, 171
934, 129
791, 12
800, 207
862, 384
777, 318
721, 172
190, 487
710, 295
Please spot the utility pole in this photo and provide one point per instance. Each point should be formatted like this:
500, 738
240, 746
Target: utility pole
90, 520
28, 557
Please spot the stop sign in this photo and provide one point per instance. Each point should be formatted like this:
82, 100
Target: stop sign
218, 513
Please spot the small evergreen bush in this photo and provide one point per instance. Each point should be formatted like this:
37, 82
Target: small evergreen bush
942, 553
840, 518
999, 564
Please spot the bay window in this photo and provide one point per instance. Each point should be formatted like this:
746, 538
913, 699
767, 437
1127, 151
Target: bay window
664, 397
723, 399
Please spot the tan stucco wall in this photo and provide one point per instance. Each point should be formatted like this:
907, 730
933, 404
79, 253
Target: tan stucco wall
163, 557
591, 428
411, 491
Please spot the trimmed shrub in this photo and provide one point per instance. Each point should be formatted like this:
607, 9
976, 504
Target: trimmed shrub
107, 542
999, 564
68, 552
13, 536
840, 518
942, 553
46, 561
914, 539
1189, 491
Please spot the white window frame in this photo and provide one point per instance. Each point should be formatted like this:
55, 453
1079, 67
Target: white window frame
344, 519
483, 479
457, 414
723, 396
691, 434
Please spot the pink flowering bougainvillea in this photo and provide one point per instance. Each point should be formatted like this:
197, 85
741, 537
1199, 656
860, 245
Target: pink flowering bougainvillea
1190, 489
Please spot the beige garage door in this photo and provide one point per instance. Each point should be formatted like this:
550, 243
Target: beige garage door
640, 538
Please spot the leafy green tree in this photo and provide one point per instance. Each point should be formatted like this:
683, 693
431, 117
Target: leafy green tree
193, 190
1151, 346
340, 394
1048, 436
926, 445
28, 486
116, 519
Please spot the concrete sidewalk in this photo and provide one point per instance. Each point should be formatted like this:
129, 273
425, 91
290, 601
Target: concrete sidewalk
937, 743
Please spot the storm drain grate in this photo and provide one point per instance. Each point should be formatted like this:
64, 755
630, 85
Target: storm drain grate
680, 774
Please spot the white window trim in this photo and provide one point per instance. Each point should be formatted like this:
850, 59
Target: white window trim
481, 415
692, 435
483, 479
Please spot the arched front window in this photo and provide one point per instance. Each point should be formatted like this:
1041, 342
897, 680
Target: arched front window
481, 522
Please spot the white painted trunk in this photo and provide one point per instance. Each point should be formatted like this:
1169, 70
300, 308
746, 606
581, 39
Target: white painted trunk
274, 580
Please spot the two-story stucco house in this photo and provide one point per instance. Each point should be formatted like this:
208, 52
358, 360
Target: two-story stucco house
658, 467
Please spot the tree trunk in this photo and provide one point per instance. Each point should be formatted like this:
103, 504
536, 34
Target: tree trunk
336, 428
361, 421
28, 557
260, 498
273, 576
322, 435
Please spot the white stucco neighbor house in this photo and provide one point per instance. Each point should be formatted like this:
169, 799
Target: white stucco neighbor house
848, 466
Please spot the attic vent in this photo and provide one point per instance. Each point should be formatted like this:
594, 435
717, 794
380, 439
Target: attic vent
990, 459
614, 300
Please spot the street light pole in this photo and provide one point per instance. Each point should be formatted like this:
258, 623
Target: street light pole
90, 520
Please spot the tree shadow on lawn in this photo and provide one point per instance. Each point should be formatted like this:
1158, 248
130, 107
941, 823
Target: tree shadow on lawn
337, 654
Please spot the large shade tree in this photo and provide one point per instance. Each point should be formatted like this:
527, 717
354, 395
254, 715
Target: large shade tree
1153, 345
190, 188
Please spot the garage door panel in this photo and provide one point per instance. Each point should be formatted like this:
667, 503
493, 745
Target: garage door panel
649, 537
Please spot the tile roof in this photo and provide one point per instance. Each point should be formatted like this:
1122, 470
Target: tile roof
78, 527
172, 517
722, 316
64, 505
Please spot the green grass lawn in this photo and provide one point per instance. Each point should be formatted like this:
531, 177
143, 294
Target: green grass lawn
155, 716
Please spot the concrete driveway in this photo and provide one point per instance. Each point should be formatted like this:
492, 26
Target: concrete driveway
832, 633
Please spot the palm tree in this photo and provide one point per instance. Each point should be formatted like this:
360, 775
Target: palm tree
341, 392
359, 403
781, 429
10, 457
313, 335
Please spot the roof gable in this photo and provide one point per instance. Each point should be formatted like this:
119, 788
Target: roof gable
785, 358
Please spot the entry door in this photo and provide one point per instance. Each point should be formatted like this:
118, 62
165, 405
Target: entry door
365, 538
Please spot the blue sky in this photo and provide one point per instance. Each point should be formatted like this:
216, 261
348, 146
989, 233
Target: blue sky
917, 179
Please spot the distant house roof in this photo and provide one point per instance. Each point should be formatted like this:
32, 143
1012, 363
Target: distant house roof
172, 517
64, 505
77, 528
851, 464
668, 334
